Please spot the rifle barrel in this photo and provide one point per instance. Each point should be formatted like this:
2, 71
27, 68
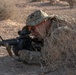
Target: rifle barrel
9, 41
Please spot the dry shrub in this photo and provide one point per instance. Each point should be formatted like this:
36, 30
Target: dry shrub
70, 2
39, 0
9, 10
59, 46
53, 1
5, 9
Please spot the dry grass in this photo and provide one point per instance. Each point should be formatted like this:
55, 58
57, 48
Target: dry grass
8, 10
5, 9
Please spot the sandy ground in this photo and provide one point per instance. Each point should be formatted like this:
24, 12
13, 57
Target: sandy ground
9, 29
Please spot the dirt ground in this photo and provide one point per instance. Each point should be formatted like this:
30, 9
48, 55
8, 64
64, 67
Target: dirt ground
9, 29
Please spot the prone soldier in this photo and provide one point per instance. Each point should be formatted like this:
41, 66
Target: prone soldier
42, 28
29, 46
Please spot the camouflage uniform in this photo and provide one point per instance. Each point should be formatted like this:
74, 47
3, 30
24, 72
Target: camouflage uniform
33, 57
38, 57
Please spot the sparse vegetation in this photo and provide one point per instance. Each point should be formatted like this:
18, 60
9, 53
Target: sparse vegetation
5, 9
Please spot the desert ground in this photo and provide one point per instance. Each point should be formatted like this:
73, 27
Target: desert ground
9, 27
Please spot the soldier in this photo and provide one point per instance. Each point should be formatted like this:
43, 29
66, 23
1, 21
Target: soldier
38, 24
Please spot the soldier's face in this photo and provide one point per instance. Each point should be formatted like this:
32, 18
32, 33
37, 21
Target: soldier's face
39, 30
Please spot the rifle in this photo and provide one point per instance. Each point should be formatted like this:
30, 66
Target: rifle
17, 43
23, 42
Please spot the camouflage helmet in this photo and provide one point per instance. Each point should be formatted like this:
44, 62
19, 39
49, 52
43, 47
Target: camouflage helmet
36, 18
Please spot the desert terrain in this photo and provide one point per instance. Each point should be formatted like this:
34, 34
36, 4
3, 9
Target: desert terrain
9, 27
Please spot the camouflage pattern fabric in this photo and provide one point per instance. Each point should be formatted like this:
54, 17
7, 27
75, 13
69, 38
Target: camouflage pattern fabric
36, 18
60, 49
30, 57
